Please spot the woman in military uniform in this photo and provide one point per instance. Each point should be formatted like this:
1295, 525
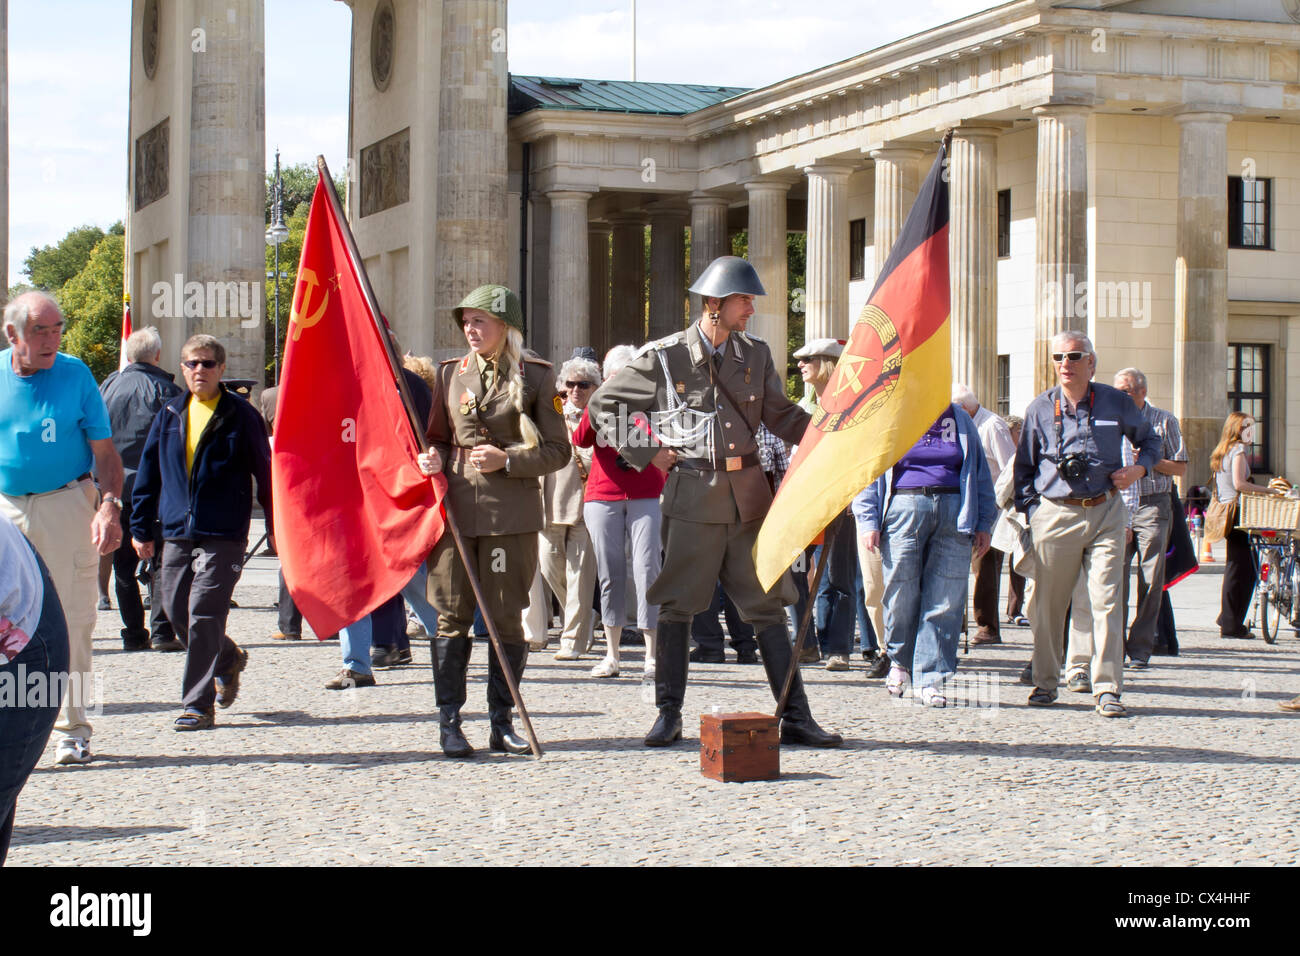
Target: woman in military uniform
496, 428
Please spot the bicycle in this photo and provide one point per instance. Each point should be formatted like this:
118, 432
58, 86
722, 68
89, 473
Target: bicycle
1271, 522
1277, 587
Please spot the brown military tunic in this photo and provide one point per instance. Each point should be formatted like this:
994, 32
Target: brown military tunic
500, 512
715, 499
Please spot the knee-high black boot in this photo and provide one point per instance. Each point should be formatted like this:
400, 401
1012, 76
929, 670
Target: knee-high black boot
797, 724
672, 657
450, 664
503, 735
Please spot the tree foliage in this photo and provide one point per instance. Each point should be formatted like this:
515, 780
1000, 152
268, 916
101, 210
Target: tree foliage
51, 267
92, 308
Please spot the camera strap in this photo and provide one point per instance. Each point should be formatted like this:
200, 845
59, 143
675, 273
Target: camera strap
1060, 419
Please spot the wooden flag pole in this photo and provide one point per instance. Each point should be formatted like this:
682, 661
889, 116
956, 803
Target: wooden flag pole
395, 365
822, 560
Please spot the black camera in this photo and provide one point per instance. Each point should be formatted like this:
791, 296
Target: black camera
1073, 466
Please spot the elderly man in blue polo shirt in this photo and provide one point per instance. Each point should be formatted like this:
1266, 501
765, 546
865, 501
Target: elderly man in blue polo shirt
1069, 471
53, 427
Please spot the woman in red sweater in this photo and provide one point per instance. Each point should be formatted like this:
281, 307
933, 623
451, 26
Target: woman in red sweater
621, 503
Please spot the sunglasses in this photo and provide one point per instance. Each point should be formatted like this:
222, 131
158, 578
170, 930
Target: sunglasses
1059, 357
578, 385
195, 363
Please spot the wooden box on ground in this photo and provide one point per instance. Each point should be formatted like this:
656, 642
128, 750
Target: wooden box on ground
739, 747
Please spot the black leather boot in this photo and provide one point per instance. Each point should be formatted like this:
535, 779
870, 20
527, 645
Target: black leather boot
450, 664
797, 724
672, 658
503, 737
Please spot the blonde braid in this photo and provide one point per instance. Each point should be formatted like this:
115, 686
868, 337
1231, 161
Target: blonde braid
508, 368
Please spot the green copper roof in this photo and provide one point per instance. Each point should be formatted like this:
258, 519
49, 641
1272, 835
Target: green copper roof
613, 96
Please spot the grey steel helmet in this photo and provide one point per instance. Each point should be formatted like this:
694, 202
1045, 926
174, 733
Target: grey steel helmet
728, 275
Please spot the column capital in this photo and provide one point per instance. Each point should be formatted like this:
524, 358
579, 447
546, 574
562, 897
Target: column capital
563, 193
696, 199
1203, 116
1051, 110
893, 152
765, 184
599, 225
628, 217
978, 130
831, 171
667, 211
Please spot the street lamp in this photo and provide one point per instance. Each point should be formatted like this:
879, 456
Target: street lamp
276, 235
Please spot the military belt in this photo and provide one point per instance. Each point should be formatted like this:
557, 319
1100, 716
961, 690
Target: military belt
734, 463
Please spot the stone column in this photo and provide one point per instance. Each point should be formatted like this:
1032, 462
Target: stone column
627, 302
1061, 230
1201, 287
708, 237
828, 253
470, 247
767, 253
897, 180
598, 269
570, 276
225, 220
973, 258
667, 270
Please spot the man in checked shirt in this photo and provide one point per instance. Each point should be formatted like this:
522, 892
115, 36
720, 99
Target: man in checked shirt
1152, 519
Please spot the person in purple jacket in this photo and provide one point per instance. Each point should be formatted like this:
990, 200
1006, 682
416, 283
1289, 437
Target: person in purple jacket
928, 516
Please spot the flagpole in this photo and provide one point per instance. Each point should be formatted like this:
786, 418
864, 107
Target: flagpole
395, 366
822, 560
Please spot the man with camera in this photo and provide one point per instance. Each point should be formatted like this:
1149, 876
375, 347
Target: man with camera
1068, 475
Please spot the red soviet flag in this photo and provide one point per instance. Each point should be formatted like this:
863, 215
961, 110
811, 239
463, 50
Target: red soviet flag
354, 517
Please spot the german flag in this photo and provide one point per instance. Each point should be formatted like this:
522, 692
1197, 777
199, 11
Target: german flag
890, 384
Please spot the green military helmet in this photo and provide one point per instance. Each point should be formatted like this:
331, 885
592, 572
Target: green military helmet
496, 299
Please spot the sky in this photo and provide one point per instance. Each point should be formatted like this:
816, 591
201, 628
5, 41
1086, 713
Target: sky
69, 63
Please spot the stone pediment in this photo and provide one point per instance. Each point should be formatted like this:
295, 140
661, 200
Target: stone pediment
1261, 11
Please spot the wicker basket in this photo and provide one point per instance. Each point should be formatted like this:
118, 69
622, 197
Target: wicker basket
1268, 511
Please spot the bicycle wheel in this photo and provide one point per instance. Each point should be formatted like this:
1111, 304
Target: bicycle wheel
1271, 611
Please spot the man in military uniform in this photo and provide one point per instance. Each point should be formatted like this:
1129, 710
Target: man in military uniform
497, 427
706, 391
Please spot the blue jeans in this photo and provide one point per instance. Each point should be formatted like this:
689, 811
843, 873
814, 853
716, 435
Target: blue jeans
24, 730
926, 561
415, 594
385, 626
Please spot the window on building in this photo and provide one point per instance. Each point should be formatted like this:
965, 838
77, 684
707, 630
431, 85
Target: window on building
857, 249
1249, 223
1004, 223
1248, 391
1004, 385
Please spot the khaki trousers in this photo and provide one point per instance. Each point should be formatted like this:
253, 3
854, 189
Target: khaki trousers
873, 587
1070, 540
569, 567
505, 564
57, 524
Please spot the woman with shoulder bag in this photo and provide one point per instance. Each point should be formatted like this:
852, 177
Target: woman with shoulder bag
1231, 467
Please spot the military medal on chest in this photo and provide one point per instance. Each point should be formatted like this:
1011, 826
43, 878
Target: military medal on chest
467, 403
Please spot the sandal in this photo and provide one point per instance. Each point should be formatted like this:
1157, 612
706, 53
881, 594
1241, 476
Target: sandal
1042, 698
933, 697
1108, 705
195, 720
897, 681
606, 668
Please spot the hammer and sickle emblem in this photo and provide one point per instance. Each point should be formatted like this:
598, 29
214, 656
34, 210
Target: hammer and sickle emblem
853, 366
302, 298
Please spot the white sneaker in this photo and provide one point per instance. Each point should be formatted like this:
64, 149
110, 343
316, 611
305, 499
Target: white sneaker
606, 668
567, 652
933, 697
838, 662
73, 750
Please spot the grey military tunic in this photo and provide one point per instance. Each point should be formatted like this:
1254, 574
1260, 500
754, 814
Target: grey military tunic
716, 497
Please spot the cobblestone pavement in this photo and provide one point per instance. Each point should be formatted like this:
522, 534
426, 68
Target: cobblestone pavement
1203, 772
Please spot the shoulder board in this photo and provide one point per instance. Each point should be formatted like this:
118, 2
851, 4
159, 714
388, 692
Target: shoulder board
537, 361
677, 338
448, 361
751, 338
